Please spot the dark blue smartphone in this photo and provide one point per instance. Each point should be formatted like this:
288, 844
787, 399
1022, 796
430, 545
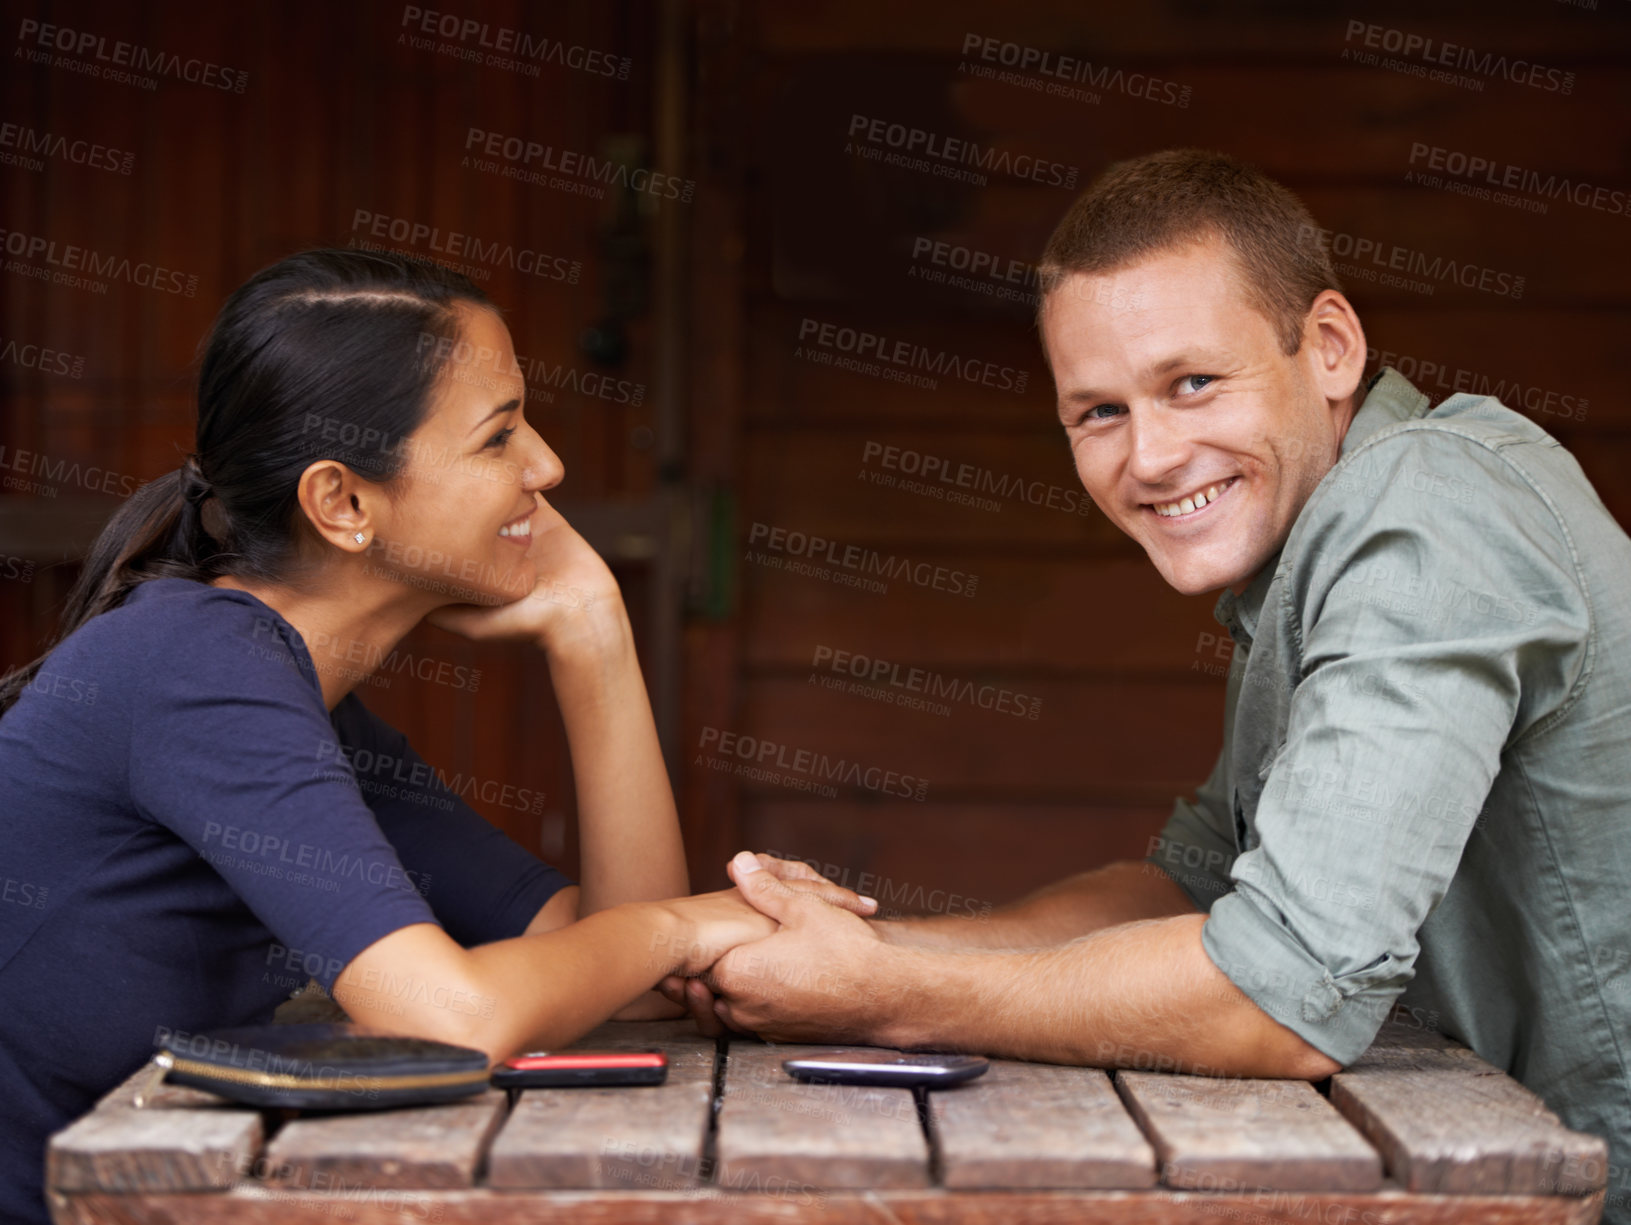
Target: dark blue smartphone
891, 1069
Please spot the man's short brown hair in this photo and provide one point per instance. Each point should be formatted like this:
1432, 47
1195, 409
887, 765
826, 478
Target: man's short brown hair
1147, 205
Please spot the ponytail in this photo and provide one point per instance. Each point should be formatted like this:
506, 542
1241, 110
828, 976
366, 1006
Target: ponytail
157, 533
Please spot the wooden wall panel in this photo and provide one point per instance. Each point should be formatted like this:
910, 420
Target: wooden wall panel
336, 115
339, 114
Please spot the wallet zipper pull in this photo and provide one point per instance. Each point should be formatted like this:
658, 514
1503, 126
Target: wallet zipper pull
161, 1064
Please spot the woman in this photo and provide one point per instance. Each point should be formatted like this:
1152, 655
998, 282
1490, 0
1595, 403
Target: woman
200, 811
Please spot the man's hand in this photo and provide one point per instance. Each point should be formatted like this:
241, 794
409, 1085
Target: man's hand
813, 979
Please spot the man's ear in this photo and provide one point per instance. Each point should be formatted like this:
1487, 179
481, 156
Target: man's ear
1334, 341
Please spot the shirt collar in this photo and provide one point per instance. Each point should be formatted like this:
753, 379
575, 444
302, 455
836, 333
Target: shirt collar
1389, 399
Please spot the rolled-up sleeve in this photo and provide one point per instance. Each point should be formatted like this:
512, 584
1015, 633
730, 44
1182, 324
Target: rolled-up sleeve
1433, 624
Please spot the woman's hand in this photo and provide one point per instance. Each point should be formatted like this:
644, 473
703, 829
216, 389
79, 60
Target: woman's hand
686, 990
575, 601
710, 925
650, 1007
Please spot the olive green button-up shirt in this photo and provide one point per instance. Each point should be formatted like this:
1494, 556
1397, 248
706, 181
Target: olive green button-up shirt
1424, 793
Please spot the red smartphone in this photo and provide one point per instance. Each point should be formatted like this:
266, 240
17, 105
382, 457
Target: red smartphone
581, 1069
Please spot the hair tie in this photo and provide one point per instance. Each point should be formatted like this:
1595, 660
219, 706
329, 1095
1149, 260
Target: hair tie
194, 486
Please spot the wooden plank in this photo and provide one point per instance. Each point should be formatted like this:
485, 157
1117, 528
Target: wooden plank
1037, 1125
182, 1139
774, 1130
1446, 1120
1248, 1135
262, 1206
631, 1139
426, 1146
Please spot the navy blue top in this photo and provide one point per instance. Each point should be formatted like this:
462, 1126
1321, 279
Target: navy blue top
188, 833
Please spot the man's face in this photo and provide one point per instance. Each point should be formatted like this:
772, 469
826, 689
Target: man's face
1190, 428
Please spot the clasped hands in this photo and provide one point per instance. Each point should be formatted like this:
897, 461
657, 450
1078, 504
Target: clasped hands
815, 975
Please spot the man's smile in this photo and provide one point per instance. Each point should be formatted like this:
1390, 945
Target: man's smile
1191, 505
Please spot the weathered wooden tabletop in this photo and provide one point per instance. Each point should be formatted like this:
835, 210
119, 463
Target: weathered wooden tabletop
1419, 1130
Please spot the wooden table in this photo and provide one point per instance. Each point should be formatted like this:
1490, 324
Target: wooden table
1419, 1130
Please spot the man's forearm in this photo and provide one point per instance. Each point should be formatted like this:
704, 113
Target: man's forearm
1066, 910
1140, 994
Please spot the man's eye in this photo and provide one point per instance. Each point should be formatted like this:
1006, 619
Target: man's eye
502, 437
1101, 412
1201, 379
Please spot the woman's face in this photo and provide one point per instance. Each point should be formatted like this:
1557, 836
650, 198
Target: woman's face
461, 514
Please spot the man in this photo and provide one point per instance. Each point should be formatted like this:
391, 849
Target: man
1424, 793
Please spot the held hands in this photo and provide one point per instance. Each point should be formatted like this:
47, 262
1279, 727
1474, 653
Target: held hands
711, 924
813, 979
573, 601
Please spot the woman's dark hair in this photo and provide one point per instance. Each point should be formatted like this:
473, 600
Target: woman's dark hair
328, 354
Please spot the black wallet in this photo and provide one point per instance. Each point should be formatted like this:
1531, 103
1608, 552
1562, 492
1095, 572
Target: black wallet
321, 1067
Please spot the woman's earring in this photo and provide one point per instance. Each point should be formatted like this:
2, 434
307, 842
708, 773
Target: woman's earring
359, 538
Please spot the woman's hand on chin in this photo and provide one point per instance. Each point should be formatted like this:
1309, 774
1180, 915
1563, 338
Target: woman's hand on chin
574, 605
